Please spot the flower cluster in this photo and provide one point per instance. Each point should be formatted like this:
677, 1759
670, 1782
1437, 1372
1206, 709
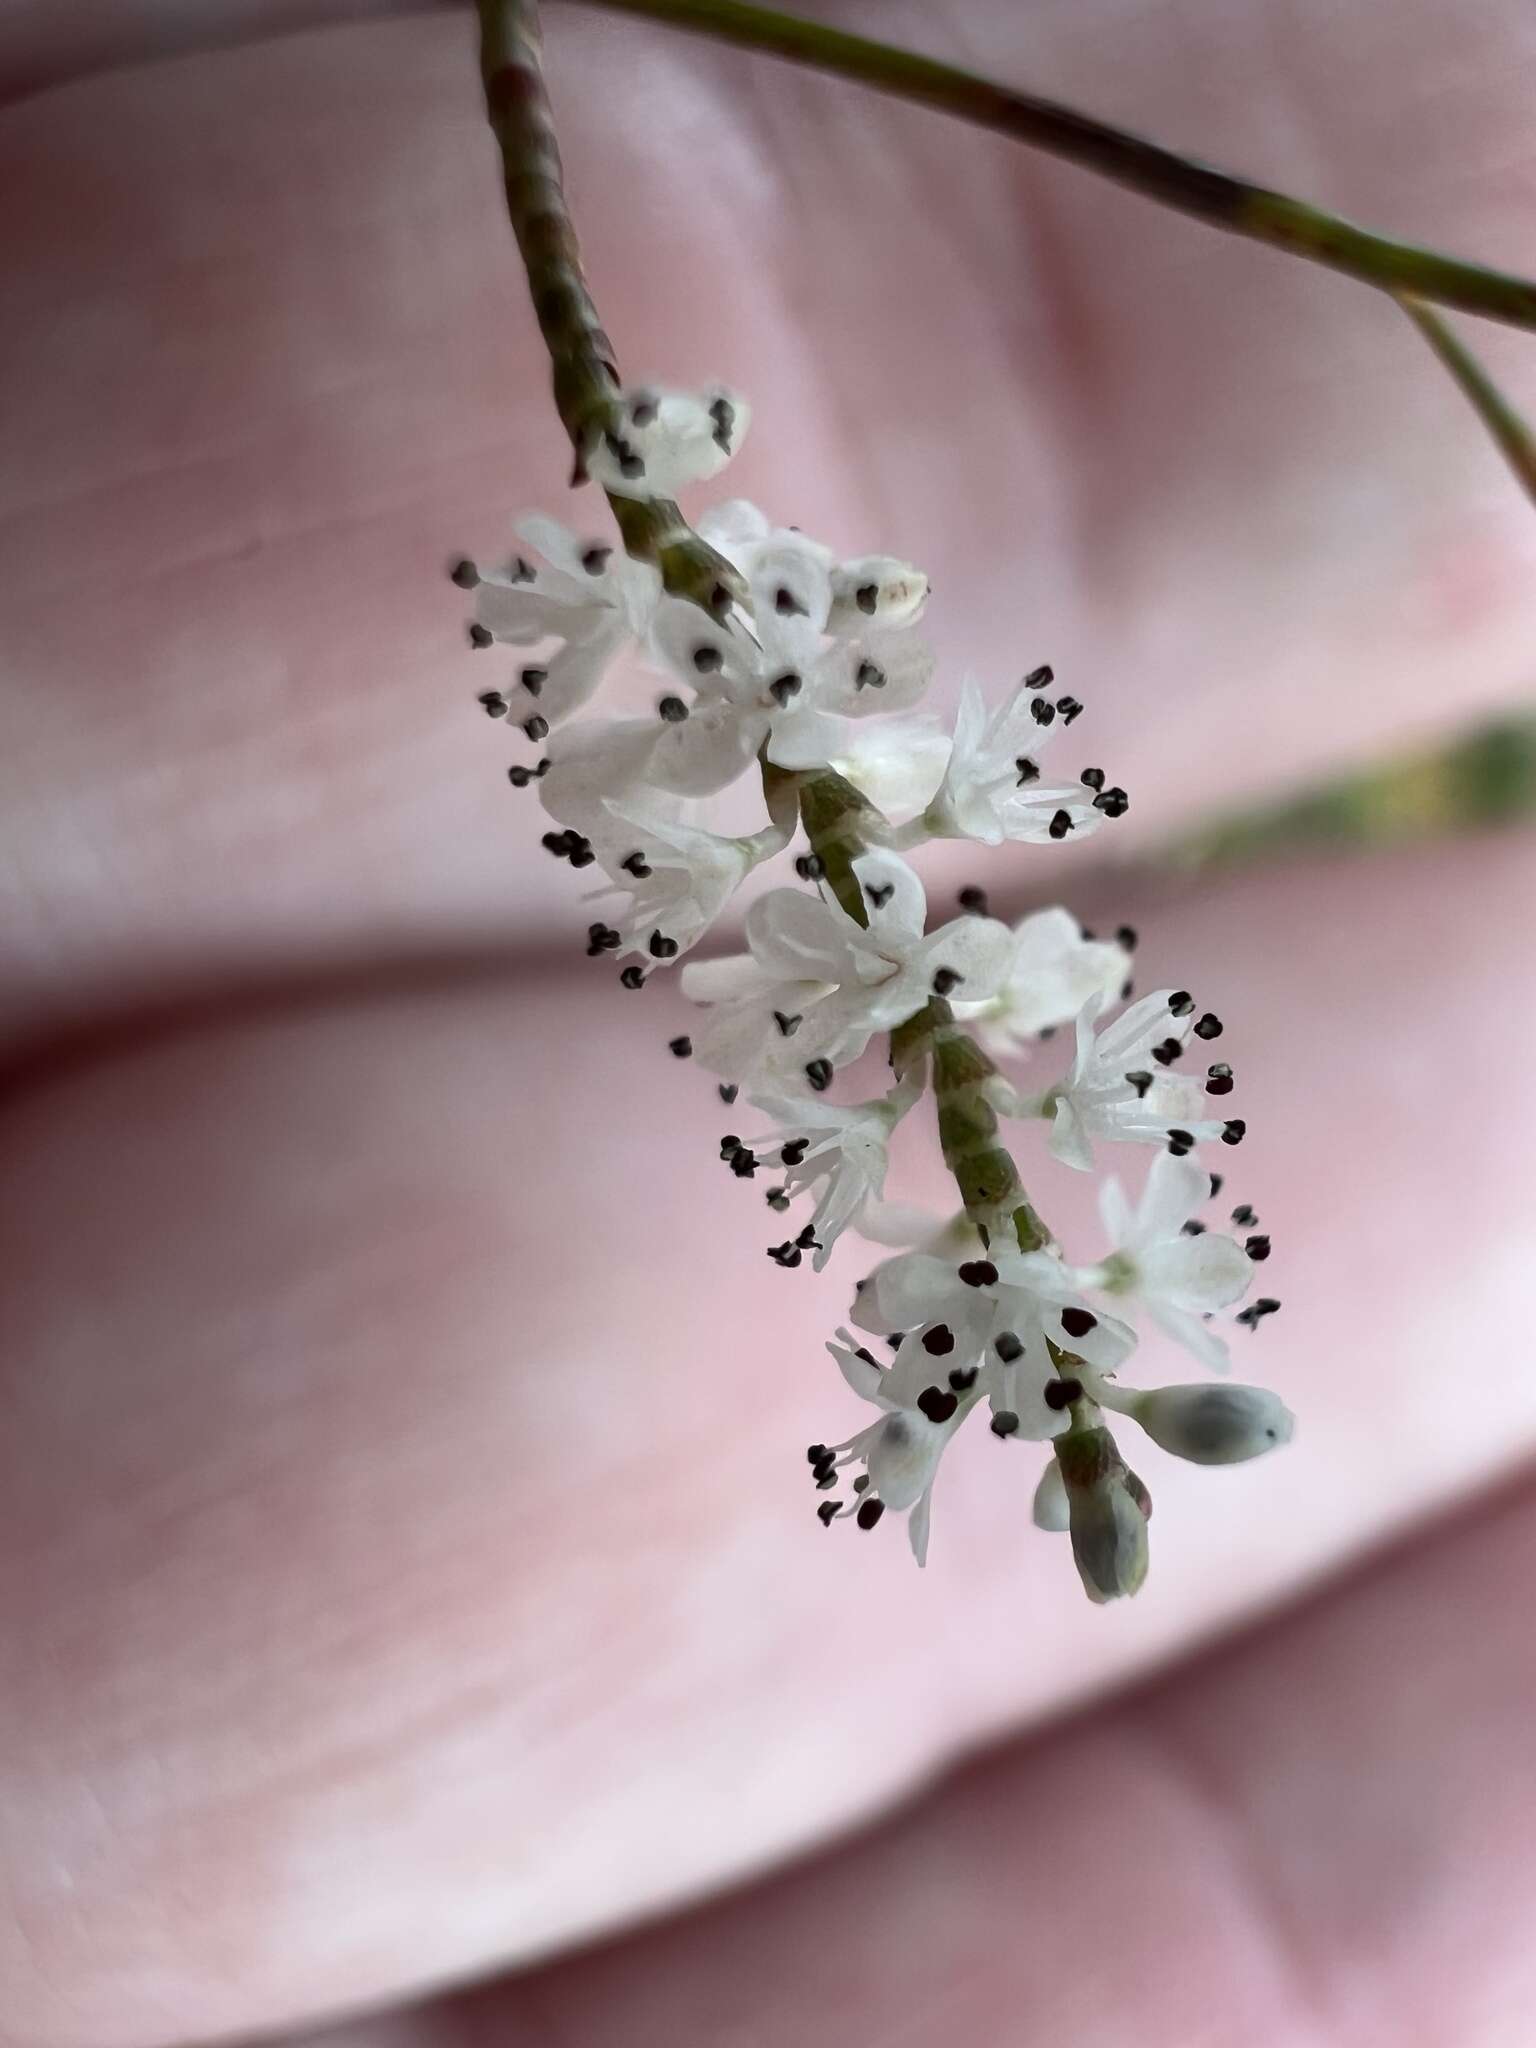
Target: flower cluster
807, 677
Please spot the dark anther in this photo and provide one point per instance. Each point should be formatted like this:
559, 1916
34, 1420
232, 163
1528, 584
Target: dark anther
808, 866
1005, 1422
1125, 935
818, 1454
937, 1403
493, 704
819, 1074
1218, 1079
1257, 1248
808, 1240
533, 680
1061, 1393
1043, 711
1070, 708
520, 571
939, 1341
1028, 772
465, 574
1141, 1082
1092, 778
788, 1026
519, 777
1180, 1143
869, 676
787, 1255
595, 559
963, 1378
1114, 803
637, 865
743, 1163
1217, 1182
794, 1151
870, 1511
1245, 1215
672, 710
1038, 678
826, 1514
1166, 1053
536, 728
1007, 1347
1127, 990
785, 602
632, 977
581, 855
557, 843
880, 893
1251, 1316
1193, 1228
1233, 1131
1060, 825
480, 637
978, 1273
1181, 1002
866, 597
680, 1048
1208, 1026
728, 1092
777, 1200
728, 1144
783, 687
946, 981
708, 660
662, 948
1077, 1322
974, 900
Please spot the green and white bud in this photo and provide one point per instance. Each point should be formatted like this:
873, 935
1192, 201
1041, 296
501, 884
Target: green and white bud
1215, 1424
1107, 1507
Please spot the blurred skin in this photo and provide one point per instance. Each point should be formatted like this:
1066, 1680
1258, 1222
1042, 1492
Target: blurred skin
404, 1568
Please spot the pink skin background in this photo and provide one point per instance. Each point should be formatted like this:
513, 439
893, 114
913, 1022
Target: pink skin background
407, 1568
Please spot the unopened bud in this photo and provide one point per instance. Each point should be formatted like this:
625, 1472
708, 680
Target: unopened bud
1106, 1517
1214, 1424
1050, 1508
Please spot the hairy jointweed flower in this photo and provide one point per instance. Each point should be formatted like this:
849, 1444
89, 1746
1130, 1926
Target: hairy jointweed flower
810, 677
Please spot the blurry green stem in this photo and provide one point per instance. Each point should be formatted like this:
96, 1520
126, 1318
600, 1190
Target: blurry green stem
1184, 183
1511, 435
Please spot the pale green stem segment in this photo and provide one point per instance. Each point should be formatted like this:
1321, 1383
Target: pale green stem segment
1184, 183
586, 377
1511, 435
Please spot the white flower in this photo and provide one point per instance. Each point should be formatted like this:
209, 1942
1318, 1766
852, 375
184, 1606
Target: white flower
782, 689
1056, 970
669, 439
678, 877
997, 1315
992, 789
588, 595
841, 1150
897, 763
873, 589
900, 1453
1119, 1086
832, 984
1179, 1278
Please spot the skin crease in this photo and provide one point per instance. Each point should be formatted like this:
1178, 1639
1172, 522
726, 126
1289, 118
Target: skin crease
389, 1586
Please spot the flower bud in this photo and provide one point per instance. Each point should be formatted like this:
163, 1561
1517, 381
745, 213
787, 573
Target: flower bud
1214, 1424
1107, 1520
1050, 1508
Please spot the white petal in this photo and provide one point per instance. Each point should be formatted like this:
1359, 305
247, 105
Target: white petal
978, 949
709, 750
732, 979
898, 905
1050, 1510
898, 763
675, 437
1068, 1139
1197, 1336
1196, 1273
917, 1527
797, 937
804, 737
877, 673
1175, 1189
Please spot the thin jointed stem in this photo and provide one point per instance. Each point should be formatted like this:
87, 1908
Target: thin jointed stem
1181, 182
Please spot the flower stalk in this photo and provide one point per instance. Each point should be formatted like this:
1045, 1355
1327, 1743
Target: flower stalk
582, 361
1219, 198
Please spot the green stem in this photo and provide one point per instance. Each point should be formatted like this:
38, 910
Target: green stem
1184, 183
1511, 435
585, 374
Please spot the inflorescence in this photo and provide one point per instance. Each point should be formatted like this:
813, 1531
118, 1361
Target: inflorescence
810, 678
